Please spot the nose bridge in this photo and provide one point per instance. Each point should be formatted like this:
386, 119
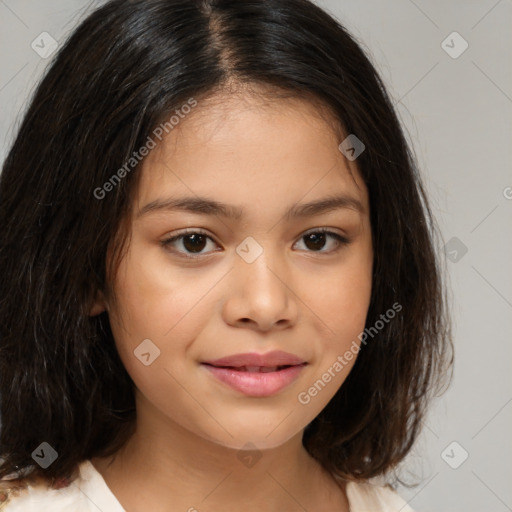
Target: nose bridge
260, 266
259, 290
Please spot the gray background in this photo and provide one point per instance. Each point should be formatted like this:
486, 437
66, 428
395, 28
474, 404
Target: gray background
457, 112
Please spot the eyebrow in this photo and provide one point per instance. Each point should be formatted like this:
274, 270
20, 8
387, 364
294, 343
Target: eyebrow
205, 206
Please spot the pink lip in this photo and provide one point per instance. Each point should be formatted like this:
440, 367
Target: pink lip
256, 383
232, 370
274, 358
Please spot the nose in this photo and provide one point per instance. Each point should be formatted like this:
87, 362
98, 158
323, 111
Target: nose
260, 295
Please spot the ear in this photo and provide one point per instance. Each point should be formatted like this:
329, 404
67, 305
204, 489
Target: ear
99, 305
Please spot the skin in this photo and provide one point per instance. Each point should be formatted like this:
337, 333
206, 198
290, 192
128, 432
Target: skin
306, 299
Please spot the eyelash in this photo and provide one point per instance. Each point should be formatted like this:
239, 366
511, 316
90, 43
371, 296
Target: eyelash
342, 241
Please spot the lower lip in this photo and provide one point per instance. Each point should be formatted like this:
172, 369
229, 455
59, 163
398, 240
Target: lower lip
256, 383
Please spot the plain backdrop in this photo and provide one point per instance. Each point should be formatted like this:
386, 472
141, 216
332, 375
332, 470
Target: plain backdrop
448, 67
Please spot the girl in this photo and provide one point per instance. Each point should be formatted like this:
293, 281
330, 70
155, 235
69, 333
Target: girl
220, 286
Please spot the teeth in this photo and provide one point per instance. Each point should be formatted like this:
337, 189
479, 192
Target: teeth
261, 369
257, 369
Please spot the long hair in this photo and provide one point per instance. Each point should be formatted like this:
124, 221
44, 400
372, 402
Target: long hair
126, 68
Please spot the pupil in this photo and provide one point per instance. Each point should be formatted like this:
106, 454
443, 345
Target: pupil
197, 243
318, 240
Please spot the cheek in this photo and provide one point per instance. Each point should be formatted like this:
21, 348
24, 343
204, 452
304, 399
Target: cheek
152, 302
343, 301
152, 328
342, 309
169, 310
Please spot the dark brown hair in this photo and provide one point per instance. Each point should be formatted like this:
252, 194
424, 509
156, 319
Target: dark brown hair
129, 65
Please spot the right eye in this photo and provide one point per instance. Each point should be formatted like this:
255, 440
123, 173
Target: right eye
191, 242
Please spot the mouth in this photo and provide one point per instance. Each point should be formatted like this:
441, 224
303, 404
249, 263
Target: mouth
255, 369
256, 381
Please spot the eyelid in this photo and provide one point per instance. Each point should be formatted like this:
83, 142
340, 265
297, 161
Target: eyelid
188, 231
329, 231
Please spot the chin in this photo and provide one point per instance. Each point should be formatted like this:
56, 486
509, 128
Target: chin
263, 434
253, 441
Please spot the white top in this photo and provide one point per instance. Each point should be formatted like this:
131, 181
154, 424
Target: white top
90, 493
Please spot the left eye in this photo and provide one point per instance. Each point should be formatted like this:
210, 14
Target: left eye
194, 242
317, 239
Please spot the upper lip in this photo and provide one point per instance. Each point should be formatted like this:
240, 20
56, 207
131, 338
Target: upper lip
270, 359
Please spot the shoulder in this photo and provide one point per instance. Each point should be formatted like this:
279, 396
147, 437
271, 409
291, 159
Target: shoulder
86, 493
27, 496
370, 497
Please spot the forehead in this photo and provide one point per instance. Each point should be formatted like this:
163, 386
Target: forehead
231, 146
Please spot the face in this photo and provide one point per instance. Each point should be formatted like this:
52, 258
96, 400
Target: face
225, 258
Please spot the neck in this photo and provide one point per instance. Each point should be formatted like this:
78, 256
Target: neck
179, 469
